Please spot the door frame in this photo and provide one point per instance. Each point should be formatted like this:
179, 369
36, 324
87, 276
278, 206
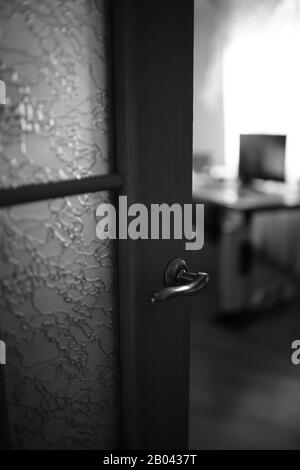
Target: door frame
153, 75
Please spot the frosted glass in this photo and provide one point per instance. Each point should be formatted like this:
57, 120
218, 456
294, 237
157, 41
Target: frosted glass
58, 317
55, 59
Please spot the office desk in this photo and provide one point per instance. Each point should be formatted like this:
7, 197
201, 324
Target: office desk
228, 196
236, 285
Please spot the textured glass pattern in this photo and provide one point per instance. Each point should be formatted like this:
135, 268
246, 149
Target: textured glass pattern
58, 318
55, 60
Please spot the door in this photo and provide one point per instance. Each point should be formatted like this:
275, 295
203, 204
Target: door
154, 120
63, 404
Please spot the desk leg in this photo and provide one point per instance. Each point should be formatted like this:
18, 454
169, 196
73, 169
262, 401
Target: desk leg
235, 263
4, 431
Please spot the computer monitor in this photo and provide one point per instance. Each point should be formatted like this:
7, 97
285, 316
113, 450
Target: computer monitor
262, 157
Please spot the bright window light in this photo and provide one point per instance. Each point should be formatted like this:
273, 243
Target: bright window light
261, 76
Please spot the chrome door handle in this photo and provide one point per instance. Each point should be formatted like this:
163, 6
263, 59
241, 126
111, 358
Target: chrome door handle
178, 281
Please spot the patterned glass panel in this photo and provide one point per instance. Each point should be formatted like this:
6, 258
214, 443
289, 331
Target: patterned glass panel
59, 320
55, 60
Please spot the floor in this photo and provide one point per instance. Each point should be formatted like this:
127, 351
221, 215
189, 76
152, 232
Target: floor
245, 392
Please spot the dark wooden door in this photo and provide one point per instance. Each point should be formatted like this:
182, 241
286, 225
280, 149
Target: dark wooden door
154, 115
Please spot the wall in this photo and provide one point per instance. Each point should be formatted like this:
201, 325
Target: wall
208, 94
58, 299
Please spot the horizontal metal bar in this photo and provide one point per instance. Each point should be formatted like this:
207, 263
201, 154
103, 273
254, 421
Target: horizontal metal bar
40, 192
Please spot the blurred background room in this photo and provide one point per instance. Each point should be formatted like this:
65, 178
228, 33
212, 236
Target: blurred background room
245, 391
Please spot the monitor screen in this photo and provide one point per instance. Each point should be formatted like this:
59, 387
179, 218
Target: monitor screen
262, 157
